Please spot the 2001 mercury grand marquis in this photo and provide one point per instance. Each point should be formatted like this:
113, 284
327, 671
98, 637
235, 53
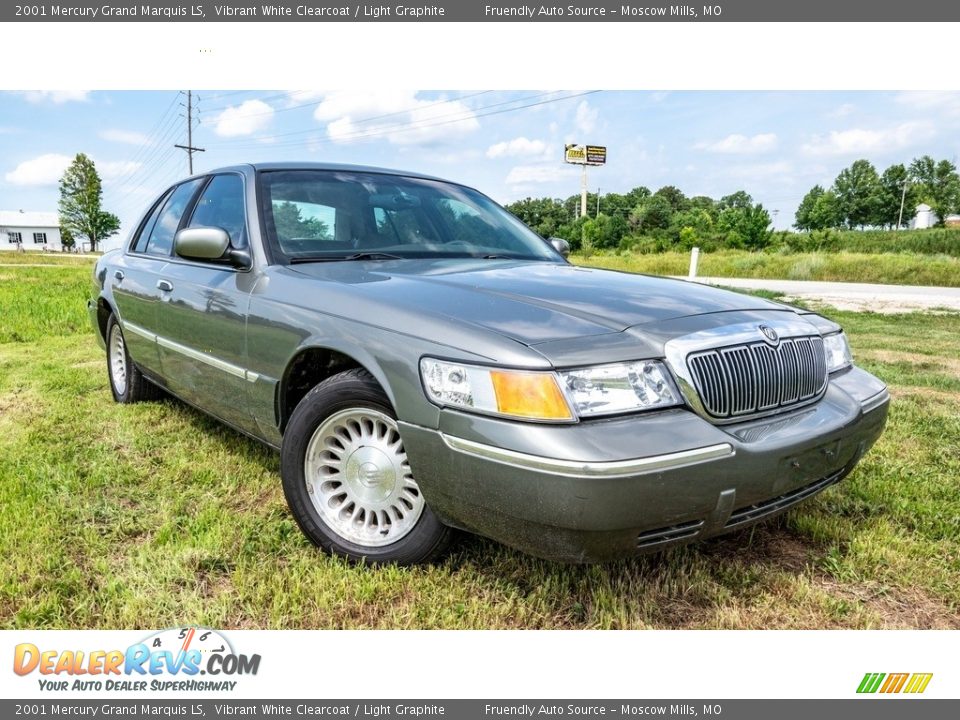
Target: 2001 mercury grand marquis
423, 361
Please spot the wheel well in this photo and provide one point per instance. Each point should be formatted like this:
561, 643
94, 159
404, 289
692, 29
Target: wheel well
104, 311
308, 369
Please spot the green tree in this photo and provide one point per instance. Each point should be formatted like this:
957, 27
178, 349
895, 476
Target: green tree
895, 188
678, 201
654, 213
81, 200
746, 226
544, 216
857, 188
67, 241
939, 185
803, 220
826, 212
290, 223
741, 199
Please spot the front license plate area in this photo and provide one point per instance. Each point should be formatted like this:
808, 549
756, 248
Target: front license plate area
802, 468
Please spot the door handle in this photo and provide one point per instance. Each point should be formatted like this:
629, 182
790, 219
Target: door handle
118, 274
165, 285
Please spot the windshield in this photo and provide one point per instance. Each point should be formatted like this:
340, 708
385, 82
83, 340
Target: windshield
336, 215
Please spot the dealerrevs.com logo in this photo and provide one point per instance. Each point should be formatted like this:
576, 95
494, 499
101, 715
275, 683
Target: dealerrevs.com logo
169, 660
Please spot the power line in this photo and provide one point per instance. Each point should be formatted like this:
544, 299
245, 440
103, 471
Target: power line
408, 127
189, 147
466, 113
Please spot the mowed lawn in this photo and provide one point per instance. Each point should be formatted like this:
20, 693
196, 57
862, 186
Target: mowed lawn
153, 515
885, 268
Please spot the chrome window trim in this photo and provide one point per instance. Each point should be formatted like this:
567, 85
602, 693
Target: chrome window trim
584, 469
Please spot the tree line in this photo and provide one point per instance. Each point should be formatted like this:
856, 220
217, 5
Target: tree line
860, 197
650, 221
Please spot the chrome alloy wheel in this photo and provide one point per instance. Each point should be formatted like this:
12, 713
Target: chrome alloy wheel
118, 360
359, 479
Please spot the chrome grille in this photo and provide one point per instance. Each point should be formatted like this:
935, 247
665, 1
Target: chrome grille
757, 377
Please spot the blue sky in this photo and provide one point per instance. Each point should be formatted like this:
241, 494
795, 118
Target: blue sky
774, 145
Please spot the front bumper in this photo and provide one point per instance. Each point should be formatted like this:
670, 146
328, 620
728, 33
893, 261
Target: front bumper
605, 489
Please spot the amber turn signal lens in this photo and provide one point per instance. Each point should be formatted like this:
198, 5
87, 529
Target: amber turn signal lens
529, 395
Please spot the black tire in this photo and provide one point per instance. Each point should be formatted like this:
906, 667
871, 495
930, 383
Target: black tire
349, 391
134, 387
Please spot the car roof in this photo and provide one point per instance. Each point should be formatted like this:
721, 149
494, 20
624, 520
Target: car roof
272, 166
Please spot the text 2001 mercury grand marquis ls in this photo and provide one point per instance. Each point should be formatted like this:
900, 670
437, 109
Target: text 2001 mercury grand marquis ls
423, 361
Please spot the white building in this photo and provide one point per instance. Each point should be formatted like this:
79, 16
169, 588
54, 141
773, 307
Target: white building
29, 230
925, 218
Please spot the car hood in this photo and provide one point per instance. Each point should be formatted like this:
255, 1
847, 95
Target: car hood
529, 302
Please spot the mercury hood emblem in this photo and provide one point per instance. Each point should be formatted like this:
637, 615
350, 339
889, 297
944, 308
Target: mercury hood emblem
770, 334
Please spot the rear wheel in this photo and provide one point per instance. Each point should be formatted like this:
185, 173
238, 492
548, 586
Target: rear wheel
347, 479
126, 381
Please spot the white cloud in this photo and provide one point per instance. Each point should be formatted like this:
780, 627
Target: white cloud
537, 174
46, 170
737, 144
43, 170
860, 140
395, 115
946, 101
520, 146
301, 97
586, 118
844, 110
57, 97
244, 119
127, 137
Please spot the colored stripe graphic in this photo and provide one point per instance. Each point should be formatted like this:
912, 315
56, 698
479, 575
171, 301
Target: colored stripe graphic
894, 683
918, 683
870, 682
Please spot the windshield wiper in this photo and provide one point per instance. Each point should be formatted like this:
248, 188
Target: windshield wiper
368, 255
373, 255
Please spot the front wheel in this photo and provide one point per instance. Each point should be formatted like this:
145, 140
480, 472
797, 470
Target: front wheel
347, 479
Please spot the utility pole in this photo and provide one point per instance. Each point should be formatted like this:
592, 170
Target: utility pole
903, 199
583, 192
189, 146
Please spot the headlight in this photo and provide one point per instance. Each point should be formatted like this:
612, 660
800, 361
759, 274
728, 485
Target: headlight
549, 396
516, 393
609, 389
837, 350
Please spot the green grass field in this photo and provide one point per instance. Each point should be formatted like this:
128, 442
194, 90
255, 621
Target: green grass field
890, 268
153, 515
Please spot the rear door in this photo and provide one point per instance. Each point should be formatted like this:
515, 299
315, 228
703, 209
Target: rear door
203, 312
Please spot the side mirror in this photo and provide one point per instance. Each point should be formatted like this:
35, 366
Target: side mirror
560, 245
201, 243
208, 243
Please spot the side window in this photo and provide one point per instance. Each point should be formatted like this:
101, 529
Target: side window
140, 245
221, 205
168, 222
